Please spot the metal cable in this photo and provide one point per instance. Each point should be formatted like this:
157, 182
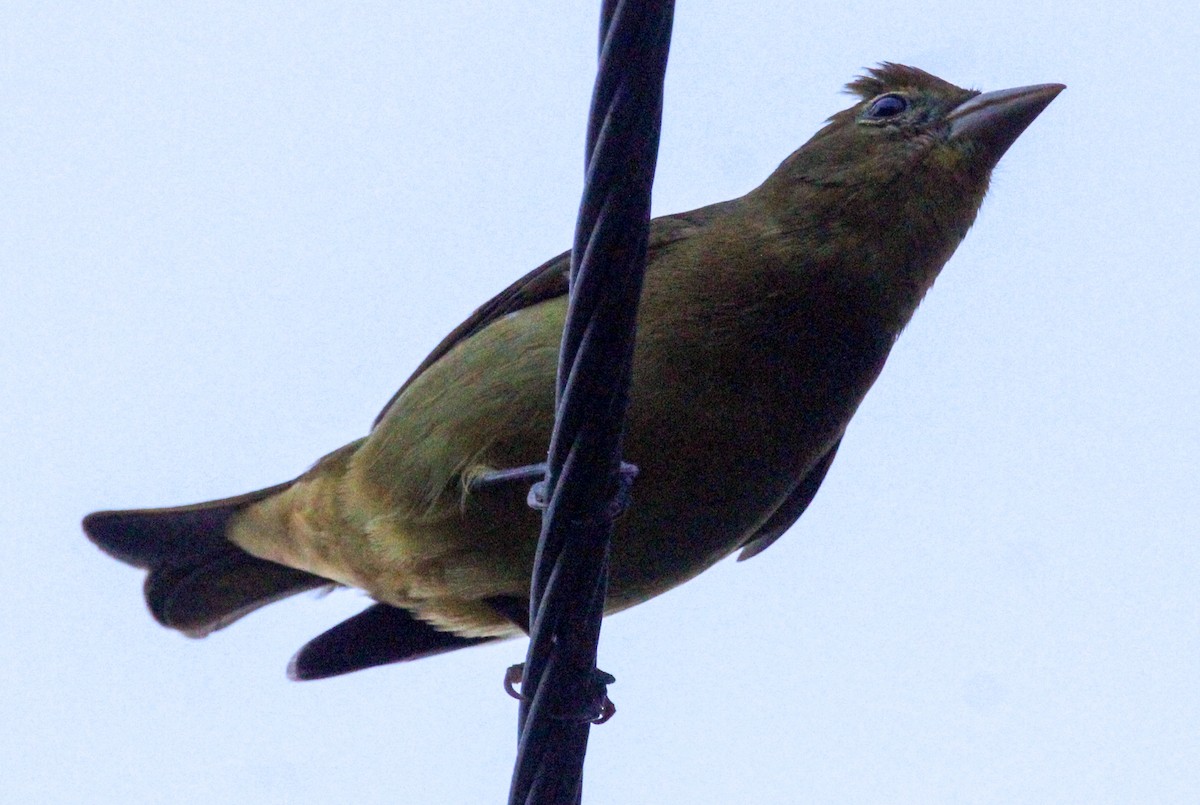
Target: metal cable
586, 484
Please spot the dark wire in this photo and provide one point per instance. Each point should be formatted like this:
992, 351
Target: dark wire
585, 487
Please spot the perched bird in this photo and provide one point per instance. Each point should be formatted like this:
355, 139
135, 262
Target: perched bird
764, 321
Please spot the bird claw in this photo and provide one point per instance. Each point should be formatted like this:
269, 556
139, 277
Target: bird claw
599, 713
512, 677
624, 494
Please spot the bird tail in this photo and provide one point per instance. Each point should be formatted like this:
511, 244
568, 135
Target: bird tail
198, 581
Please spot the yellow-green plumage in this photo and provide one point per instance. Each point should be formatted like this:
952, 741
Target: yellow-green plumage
764, 321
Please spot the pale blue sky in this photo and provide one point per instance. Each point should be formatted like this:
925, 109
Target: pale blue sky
228, 232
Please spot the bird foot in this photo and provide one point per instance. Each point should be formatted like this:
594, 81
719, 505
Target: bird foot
602, 708
616, 506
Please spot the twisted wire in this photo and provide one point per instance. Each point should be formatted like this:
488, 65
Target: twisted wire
586, 483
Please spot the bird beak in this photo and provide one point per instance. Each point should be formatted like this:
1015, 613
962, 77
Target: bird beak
991, 122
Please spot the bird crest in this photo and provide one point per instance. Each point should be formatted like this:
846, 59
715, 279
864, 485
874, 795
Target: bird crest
889, 76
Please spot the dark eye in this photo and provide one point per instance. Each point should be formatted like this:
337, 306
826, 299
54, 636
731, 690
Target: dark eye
887, 106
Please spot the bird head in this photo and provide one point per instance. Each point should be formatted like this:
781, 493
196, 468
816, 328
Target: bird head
885, 192
907, 121
900, 175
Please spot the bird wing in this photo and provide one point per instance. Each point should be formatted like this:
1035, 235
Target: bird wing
790, 510
379, 635
383, 634
550, 280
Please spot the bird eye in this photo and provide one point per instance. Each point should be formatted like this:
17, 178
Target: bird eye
887, 106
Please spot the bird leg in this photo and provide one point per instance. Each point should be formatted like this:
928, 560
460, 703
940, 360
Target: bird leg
493, 478
537, 498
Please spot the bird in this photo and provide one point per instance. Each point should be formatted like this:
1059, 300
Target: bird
763, 323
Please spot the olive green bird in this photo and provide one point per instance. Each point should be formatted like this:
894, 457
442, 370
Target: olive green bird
764, 321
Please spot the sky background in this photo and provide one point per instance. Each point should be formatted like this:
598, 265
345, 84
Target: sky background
228, 232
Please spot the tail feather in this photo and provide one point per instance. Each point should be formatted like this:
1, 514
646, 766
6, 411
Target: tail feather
198, 581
